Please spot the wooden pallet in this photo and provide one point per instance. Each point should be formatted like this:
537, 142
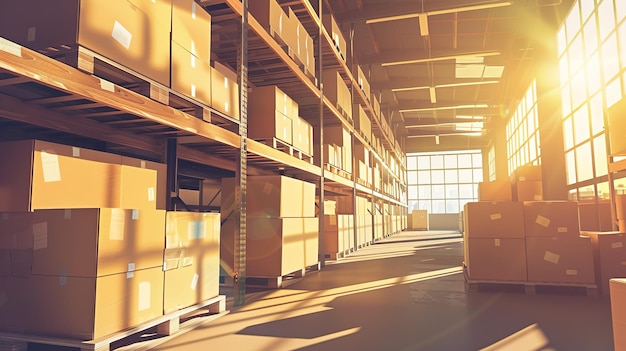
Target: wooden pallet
287, 148
530, 288
338, 171
273, 282
166, 325
336, 255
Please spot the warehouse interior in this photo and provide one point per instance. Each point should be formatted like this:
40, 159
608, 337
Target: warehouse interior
173, 166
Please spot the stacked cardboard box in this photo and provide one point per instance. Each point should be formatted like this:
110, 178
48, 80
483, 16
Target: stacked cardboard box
336, 36
499, 190
301, 42
418, 220
595, 216
609, 251
272, 114
618, 313
224, 90
338, 142
556, 253
361, 155
361, 80
362, 122
494, 246
620, 211
527, 183
191, 259
282, 230
337, 92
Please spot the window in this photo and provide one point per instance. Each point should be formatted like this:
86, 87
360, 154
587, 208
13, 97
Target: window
522, 134
599, 29
445, 181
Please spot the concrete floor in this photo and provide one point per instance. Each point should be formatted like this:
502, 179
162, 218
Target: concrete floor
403, 293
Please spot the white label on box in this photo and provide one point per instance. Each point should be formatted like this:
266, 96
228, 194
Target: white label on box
144, 296
67, 214
496, 242
562, 229
542, 221
196, 230
194, 281
267, 188
538, 197
280, 24
10, 47
31, 34
150, 194
495, 216
226, 107
193, 90
551, 257
617, 245
135, 215
522, 179
571, 272
76, 151
193, 10
106, 85
40, 235
187, 261
131, 270
50, 166
143, 164
121, 35
192, 58
63, 277
118, 222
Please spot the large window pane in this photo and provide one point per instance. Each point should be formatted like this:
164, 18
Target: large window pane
437, 177
610, 58
594, 74
438, 192
423, 177
452, 206
477, 160
425, 205
436, 162
465, 176
465, 161
606, 18
572, 23
423, 162
584, 169
424, 192
581, 125
568, 133
412, 175
411, 162
452, 176
452, 191
450, 161
466, 191
478, 175
591, 37
599, 151
412, 191
571, 167
613, 92
597, 114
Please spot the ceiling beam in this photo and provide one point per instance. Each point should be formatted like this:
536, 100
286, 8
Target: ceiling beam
393, 56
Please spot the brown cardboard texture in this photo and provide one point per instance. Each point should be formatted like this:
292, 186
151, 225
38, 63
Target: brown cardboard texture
191, 28
529, 190
609, 250
191, 75
496, 259
560, 260
618, 312
501, 219
526, 173
499, 190
551, 218
161, 174
271, 16
224, 93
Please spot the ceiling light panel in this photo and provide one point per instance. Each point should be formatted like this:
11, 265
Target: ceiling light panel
493, 72
469, 71
470, 59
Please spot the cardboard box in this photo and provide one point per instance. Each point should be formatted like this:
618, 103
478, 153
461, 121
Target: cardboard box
86, 242
551, 218
499, 190
274, 246
617, 128
620, 206
501, 219
526, 173
224, 93
595, 217
52, 176
567, 260
272, 197
361, 80
303, 136
135, 34
337, 92
14, 304
496, 259
336, 36
361, 121
90, 308
345, 204
191, 28
270, 114
340, 136
191, 259
268, 99
529, 190
419, 219
609, 251
618, 313
191, 76
272, 17
161, 177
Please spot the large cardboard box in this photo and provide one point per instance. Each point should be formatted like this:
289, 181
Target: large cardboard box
336, 36
501, 219
303, 135
551, 218
266, 100
419, 219
52, 176
337, 92
529, 190
361, 121
90, 308
499, 190
361, 80
340, 136
161, 177
191, 28
85, 242
13, 305
618, 313
134, 33
191, 76
595, 217
271, 114
344, 204
526, 173
496, 259
272, 197
560, 260
617, 128
191, 259
224, 93
272, 17
609, 251
274, 246
620, 206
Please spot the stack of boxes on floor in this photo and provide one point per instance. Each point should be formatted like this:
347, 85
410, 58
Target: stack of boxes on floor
618, 313
418, 220
282, 230
526, 240
83, 243
273, 114
166, 41
339, 226
287, 29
